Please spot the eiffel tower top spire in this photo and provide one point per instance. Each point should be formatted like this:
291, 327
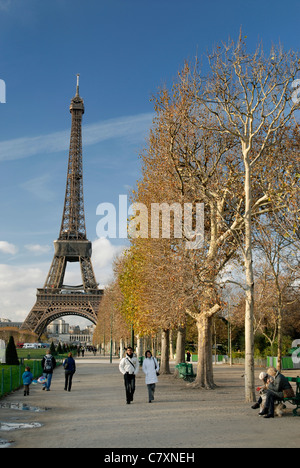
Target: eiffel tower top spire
73, 220
77, 87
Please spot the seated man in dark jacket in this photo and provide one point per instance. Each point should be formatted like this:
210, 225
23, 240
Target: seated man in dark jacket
277, 383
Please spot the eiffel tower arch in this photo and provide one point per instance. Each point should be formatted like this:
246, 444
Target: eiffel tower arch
56, 299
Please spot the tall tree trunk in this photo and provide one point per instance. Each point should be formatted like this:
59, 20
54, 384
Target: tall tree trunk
180, 345
140, 346
171, 345
279, 352
249, 310
122, 347
205, 376
154, 346
165, 352
180, 348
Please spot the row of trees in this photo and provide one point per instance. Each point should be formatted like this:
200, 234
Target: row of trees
18, 335
224, 144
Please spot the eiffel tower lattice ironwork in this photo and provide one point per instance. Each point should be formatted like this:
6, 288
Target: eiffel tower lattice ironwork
55, 299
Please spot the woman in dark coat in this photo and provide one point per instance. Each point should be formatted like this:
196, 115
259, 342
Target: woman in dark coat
70, 369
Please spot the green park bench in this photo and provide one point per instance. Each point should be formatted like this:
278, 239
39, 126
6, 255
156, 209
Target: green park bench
141, 360
186, 371
296, 399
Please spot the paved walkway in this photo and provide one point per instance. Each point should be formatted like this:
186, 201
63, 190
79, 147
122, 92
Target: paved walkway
94, 414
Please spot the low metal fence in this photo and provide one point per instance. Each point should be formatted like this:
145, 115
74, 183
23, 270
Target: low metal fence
11, 376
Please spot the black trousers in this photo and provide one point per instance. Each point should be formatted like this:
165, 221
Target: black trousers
129, 380
68, 380
270, 401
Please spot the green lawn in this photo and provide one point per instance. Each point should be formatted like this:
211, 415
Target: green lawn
32, 353
11, 376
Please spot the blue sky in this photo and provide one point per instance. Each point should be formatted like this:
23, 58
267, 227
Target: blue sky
124, 51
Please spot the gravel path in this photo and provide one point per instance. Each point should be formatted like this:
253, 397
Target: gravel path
94, 414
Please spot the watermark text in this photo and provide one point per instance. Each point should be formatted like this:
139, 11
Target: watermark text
159, 221
2, 92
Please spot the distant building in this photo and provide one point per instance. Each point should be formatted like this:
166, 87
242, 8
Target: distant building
58, 327
62, 332
8, 323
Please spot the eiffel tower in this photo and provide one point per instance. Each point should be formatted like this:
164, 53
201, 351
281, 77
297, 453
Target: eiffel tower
56, 299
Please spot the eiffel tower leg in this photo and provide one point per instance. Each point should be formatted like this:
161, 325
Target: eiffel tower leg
52, 305
54, 281
87, 274
39, 317
56, 273
34, 317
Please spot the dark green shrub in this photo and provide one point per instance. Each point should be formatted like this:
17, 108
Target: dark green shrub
11, 353
52, 349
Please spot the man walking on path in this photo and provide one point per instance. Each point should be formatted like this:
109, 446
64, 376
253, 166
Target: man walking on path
129, 367
48, 366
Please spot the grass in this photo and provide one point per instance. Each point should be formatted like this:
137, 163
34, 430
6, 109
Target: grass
11, 376
32, 353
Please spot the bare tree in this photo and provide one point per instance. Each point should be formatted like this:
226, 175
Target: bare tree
249, 96
281, 262
214, 141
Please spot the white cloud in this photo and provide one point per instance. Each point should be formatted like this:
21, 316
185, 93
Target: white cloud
104, 253
13, 278
18, 284
127, 126
17, 290
5, 4
122, 127
8, 248
39, 187
38, 249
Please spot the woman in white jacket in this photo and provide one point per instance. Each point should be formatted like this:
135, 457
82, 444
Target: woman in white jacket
151, 369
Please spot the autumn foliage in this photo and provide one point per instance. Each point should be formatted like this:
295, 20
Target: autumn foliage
227, 141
